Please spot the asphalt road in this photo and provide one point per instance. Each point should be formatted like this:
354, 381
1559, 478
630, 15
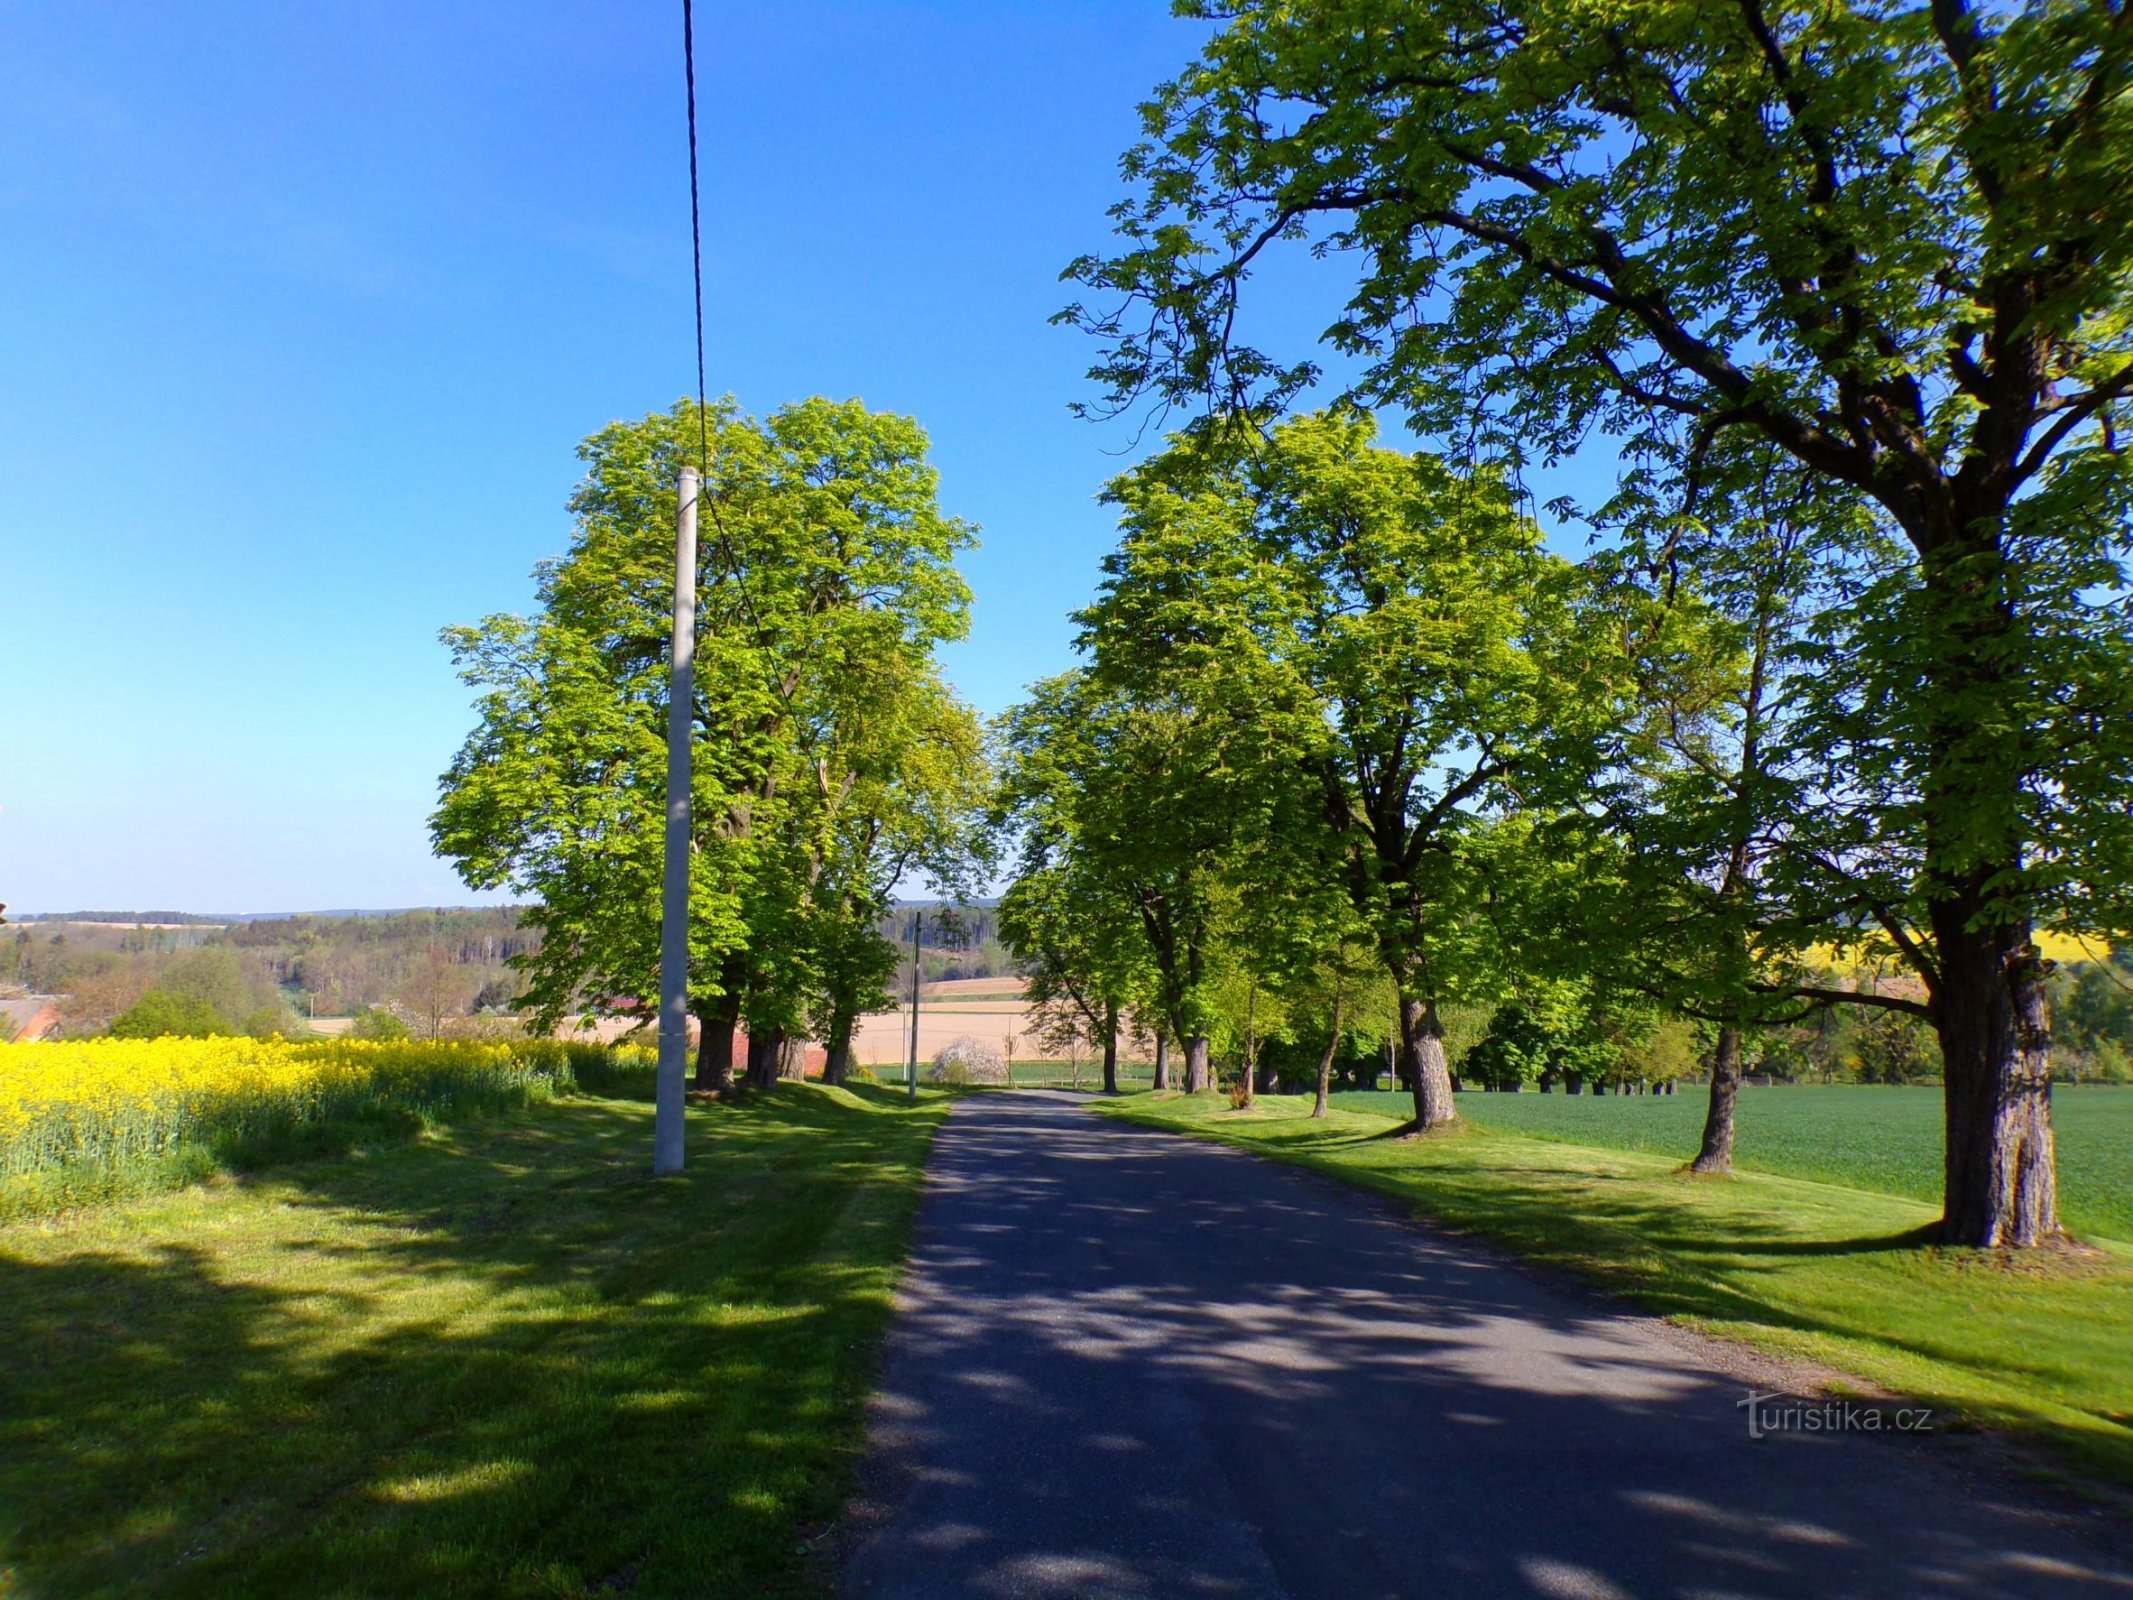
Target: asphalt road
1135, 1365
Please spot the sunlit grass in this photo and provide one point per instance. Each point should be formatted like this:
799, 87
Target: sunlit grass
498, 1359
1860, 1135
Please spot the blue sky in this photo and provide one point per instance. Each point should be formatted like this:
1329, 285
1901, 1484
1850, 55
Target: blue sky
307, 307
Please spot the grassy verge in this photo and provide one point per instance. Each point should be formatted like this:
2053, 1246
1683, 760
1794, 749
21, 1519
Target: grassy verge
1865, 1136
499, 1359
1805, 1269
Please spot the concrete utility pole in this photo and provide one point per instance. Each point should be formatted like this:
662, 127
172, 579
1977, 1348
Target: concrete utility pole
912, 1078
670, 1100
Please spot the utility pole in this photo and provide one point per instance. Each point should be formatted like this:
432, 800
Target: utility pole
912, 1077
670, 1099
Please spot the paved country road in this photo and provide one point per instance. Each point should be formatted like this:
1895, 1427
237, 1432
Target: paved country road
1131, 1364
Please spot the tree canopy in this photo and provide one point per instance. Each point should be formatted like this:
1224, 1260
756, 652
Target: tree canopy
1889, 241
830, 757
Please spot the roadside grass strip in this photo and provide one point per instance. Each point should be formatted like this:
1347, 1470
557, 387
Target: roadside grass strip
1864, 1136
499, 1359
2034, 1344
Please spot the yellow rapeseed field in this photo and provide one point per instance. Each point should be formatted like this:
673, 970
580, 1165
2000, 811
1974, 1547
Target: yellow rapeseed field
112, 1103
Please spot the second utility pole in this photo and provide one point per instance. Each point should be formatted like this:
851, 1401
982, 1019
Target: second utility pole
916, 918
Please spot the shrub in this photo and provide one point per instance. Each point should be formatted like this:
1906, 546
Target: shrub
968, 1060
159, 1014
268, 1022
377, 1023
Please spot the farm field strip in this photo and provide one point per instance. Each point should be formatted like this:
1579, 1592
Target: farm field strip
92, 1119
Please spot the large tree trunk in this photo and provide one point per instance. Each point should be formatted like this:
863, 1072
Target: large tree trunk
1422, 1052
2001, 1180
837, 1063
1162, 1061
714, 1043
1110, 1047
1196, 1074
2001, 1185
764, 1050
1717, 1152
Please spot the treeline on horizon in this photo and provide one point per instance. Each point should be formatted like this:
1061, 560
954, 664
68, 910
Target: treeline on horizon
412, 971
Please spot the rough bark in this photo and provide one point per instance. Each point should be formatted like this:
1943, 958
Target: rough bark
764, 1051
2001, 1184
1986, 978
1162, 1062
714, 1043
1422, 1046
1717, 1152
1197, 1077
1110, 1047
837, 1061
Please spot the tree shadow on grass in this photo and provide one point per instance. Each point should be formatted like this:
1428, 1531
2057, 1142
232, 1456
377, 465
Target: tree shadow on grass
502, 1360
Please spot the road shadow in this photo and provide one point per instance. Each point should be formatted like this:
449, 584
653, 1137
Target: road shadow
1129, 1364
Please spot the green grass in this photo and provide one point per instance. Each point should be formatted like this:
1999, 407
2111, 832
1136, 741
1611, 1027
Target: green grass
498, 1360
1060, 1075
1865, 1137
2038, 1347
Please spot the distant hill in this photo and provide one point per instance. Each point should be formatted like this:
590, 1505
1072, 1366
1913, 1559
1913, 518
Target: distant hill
162, 919
222, 919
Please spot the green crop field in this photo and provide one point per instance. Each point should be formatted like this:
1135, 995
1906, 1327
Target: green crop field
1886, 1139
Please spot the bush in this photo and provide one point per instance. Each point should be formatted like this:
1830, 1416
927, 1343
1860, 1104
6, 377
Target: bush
968, 1060
158, 1014
1894, 1047
377, 1023
268, 1022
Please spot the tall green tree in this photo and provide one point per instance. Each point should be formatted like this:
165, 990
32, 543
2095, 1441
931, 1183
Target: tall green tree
1395, 656
1891, 240
1146, 808
900, 784
826, 580
1716, 872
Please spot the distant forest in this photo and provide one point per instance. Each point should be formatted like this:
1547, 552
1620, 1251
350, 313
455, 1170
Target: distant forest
432, 971
273, 974
953, 941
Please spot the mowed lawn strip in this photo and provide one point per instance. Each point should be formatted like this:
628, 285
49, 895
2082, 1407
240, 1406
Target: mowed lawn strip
1864, 1136
498, 1360
2037, 1347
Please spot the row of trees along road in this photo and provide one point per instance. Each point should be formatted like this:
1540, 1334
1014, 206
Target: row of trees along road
831, 760
1850, 287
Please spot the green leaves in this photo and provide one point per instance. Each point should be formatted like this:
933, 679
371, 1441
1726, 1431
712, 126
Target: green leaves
829, 760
